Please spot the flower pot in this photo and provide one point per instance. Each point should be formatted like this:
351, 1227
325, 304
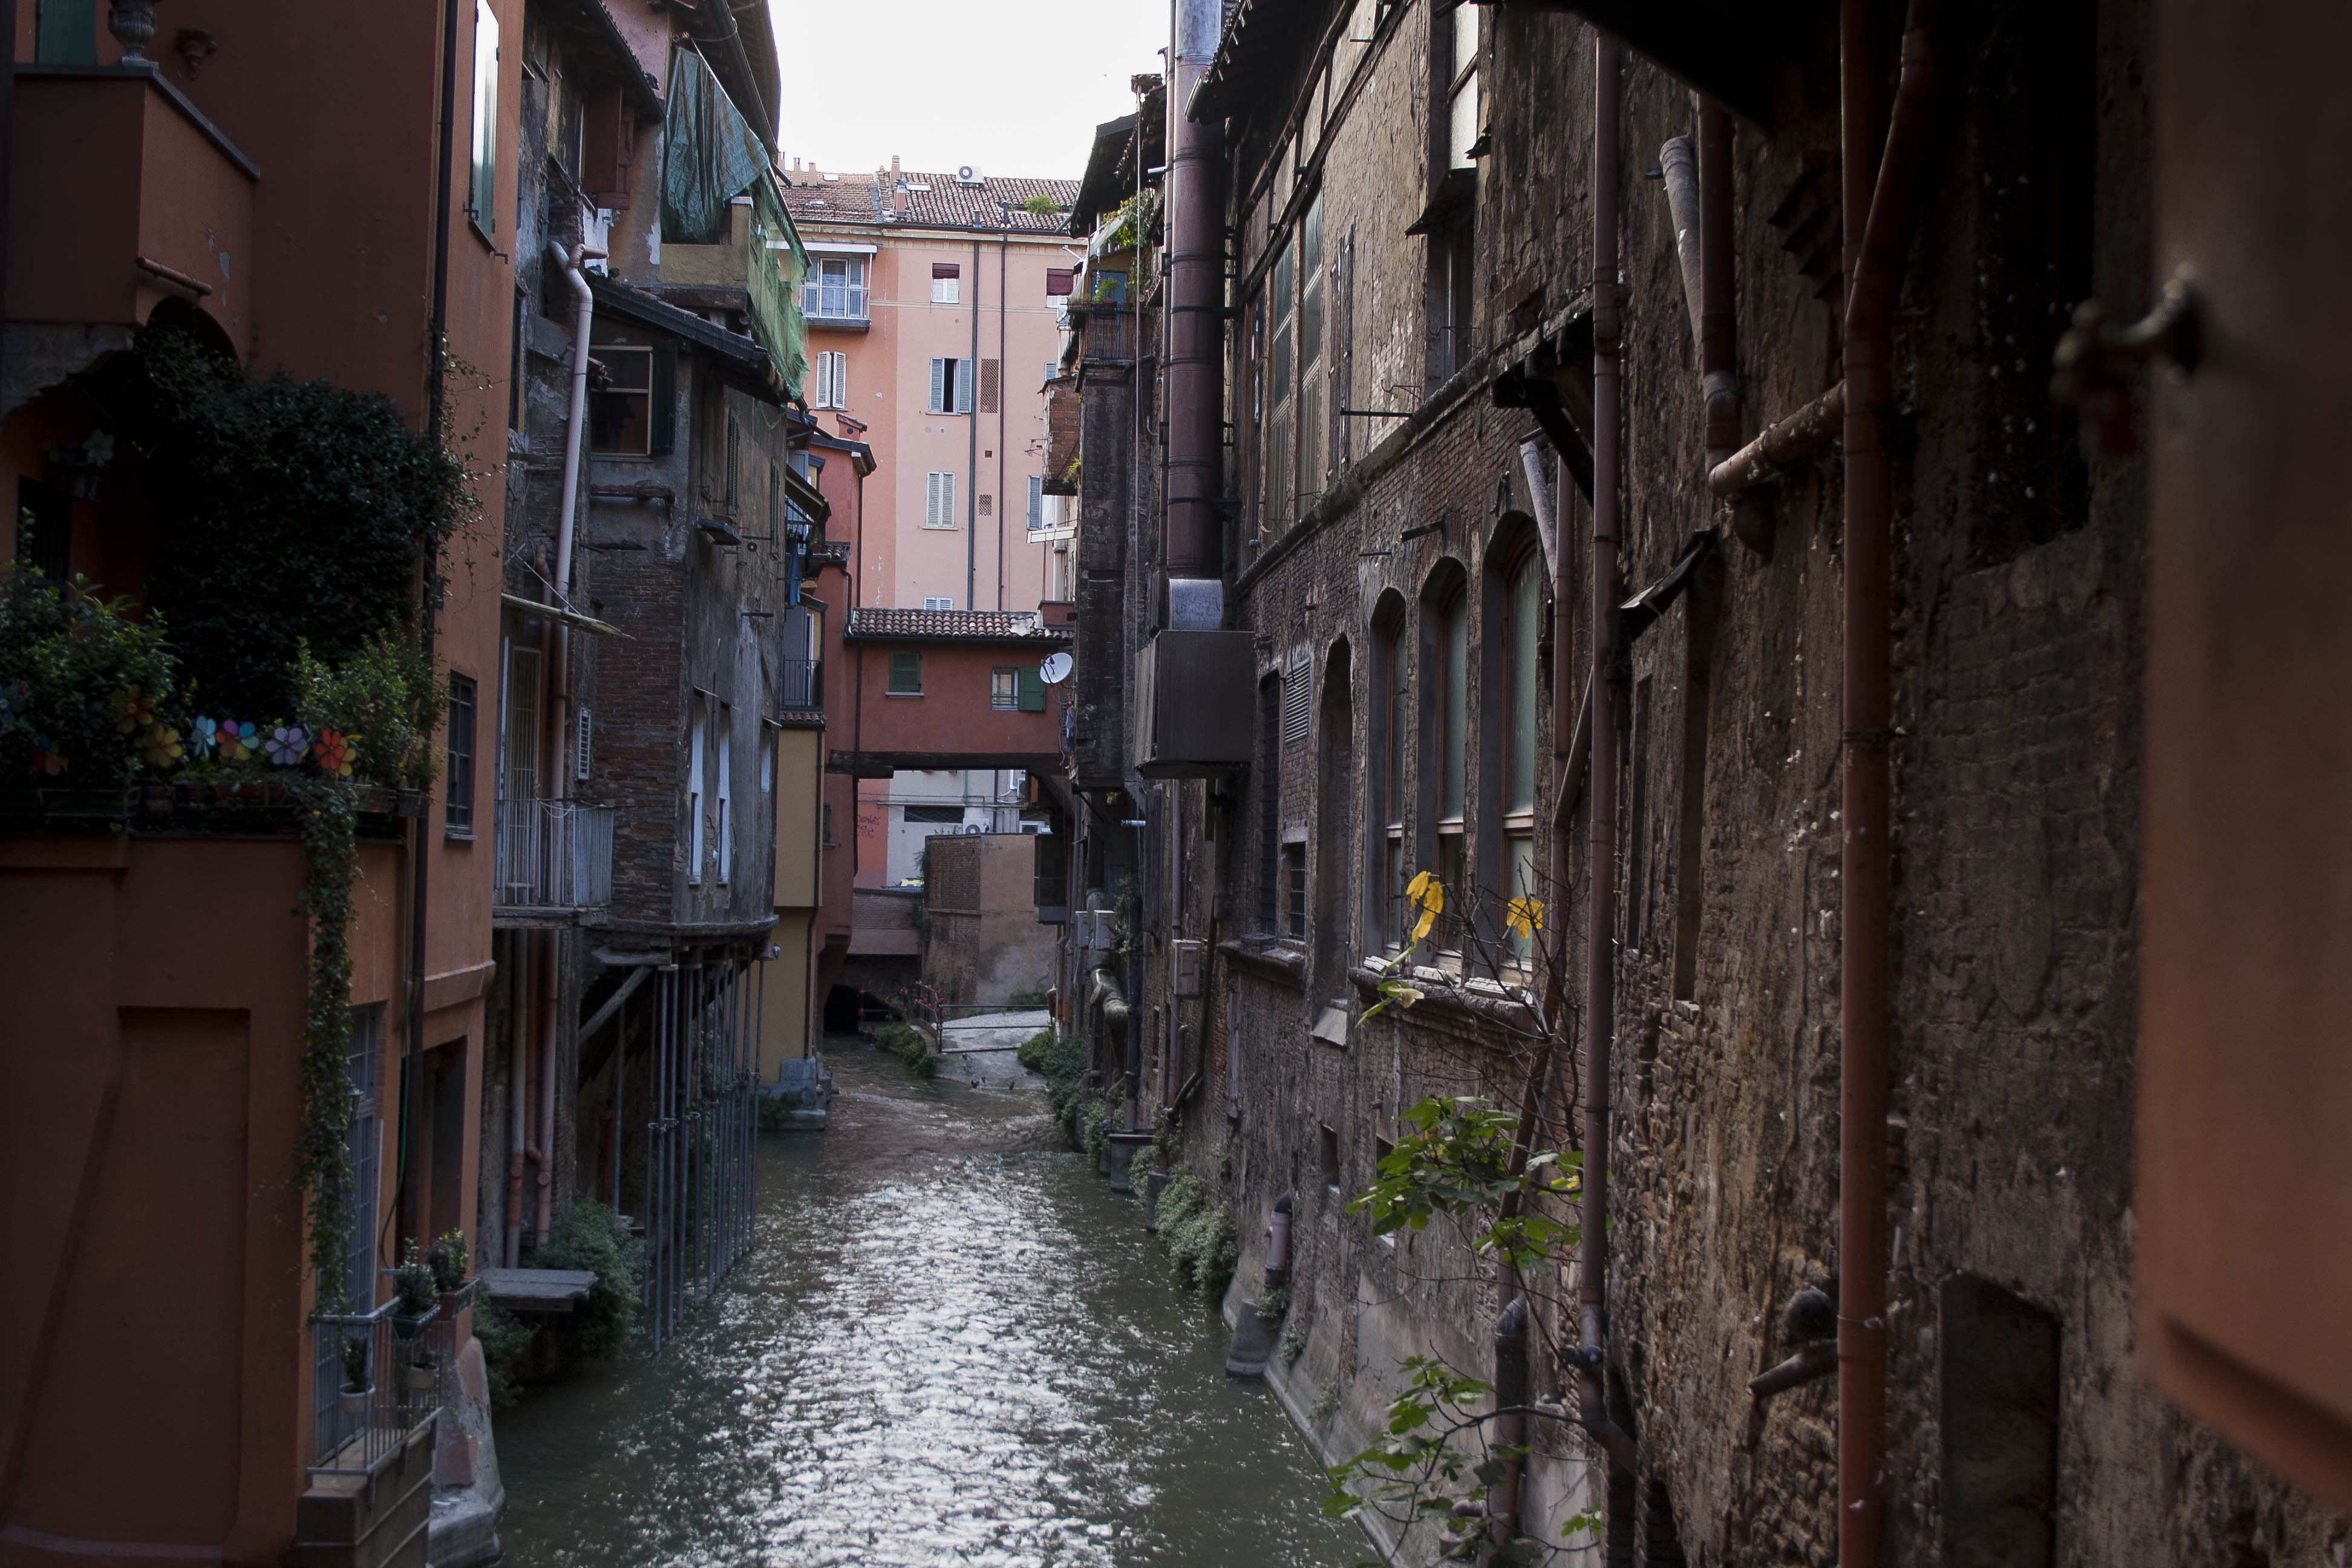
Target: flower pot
404, 1329
417, 1380
456, 1302
353, 1402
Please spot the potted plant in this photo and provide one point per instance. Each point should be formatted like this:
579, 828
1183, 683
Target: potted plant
418, 1377
356, 1389
449, 1258
415, 1297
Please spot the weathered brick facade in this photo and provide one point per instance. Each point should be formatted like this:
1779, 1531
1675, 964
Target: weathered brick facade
2020, 586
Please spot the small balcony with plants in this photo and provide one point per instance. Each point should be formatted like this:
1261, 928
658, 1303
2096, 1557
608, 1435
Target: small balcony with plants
554, 860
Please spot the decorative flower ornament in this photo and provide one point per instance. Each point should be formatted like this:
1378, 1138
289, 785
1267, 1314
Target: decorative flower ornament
1524, 917
131, 710
334, 753
238, 742
46, 758
161, 746
204, 734
1426, 892
287, 744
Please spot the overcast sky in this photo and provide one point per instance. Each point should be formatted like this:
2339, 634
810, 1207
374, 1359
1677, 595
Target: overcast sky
1014, 86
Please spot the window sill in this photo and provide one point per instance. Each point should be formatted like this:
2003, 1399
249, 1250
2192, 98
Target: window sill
839, 323
902, 694
457, 835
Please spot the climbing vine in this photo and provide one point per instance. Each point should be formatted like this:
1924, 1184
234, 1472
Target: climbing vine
322, 1165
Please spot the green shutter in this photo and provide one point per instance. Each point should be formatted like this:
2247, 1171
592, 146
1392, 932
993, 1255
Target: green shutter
1030, 689
66, 33
906, 673
662, 417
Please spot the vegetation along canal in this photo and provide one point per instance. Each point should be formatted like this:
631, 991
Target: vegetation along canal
951, 1344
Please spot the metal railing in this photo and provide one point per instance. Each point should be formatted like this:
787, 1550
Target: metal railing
553, 854
405, 1363
800, 685
701, 1135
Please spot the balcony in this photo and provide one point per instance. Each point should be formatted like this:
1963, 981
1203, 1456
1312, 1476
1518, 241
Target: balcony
555, 859
838, 323
407, 1364
123, 195
800, 688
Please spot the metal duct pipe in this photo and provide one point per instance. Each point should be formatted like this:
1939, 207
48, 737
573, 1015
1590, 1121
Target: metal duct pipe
1678, 161
1877, 214
1719, 325
1513, 1388
1779, 443
1600, 957
518, 1101
1193, 594
551, 987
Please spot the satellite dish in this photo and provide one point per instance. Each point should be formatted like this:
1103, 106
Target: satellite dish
1056, 669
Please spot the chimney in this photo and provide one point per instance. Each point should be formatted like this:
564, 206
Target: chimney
893, 165
1195, 594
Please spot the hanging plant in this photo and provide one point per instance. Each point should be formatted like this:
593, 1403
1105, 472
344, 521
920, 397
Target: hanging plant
322, 1166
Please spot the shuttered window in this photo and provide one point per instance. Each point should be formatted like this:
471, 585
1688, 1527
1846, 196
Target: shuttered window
938, 500
906, 672
832, 383
1036, 501
1060, 280
1031, 691
483, 188
1297, 716
951, 386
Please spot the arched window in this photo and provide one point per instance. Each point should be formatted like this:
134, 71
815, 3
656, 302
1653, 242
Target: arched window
1448, 781
1386, 856
1522, 629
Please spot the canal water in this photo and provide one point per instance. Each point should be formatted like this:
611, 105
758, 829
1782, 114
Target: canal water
952, 1345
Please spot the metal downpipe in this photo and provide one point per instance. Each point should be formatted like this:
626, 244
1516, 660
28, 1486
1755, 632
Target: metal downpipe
1191, 593
1877, 214
1600, 971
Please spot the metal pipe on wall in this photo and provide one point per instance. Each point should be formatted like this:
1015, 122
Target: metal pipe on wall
972, 438
1718, 324
1191, 593
1600, 957
550, 988
518, 1022
1878, 213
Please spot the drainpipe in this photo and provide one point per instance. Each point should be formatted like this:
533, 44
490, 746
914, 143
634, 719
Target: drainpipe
1717, 329
1600, 957
972, 457
518, 1102
1192, 592
1003, 405
1877, 222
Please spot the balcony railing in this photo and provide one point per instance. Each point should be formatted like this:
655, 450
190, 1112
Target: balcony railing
800, 685
553, 854
404, 1365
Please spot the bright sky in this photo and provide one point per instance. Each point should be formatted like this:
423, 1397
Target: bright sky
1014, 86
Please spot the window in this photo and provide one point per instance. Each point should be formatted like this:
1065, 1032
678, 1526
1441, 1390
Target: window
1330, 1151
1311, 375
698, 720
1059, 280
1522, 629
519, 737
951, 386
1004, 686
457, 809
620, 397
363, 1059
831, 387
580, 733
1384, 785
939, 500
1452, 767
945, 287
935, 816
1269, 800
1294, 891
726, 790
939, 603
1279, 475
906, 672
484, 159
66, 33
836, 288
1297, 715
1462, 91
1037, 502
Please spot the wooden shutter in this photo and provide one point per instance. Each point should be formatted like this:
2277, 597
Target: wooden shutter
992, 375
661, 414
2244, 1197
939, 403
1036, 501
603, 119
962, 385
1029, 688
1060, 280
1298, 717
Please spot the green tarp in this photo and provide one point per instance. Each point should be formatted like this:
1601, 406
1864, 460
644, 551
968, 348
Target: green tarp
709, 156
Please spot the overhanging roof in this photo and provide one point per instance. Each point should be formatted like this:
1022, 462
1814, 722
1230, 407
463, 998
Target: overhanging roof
1098, 189
742, 364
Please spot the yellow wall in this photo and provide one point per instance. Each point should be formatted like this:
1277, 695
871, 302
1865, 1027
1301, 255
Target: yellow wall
787, 1000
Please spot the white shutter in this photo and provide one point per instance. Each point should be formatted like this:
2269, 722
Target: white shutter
939, 387
579, 763
726, 790
946, 500
1298, 681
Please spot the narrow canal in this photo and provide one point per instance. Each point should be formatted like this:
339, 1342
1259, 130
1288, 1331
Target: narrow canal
952, 1345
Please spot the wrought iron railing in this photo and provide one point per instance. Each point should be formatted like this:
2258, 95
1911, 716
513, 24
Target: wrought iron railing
376, 1378
800, 685
553, 854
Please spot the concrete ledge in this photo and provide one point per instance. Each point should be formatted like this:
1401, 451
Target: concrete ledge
462, 1533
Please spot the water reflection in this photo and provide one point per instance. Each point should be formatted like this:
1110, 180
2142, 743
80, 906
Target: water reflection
936, 1355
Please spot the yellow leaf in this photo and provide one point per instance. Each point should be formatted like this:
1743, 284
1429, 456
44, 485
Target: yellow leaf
1420, 927
1413, 889
1407, 996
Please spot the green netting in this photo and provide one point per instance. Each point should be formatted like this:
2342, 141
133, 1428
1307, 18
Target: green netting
708, 154
777, 267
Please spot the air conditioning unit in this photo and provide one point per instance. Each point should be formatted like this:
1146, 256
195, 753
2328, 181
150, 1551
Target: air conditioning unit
1194, 699
968, 174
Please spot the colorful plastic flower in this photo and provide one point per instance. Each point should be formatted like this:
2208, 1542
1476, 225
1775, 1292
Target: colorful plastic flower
204, 734
334, 753
287, 744
46, 758
237, 742
161, 746
131, 710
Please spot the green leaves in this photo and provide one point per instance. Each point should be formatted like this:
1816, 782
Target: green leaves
1453, 1157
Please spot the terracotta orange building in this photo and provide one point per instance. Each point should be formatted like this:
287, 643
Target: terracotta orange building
218, 184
